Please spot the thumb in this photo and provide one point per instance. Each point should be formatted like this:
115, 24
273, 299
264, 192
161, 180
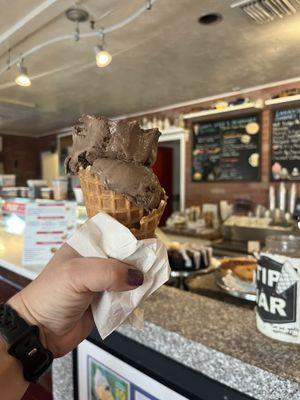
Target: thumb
93, 274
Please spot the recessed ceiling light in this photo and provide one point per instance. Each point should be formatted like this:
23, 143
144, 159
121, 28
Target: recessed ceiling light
208, 19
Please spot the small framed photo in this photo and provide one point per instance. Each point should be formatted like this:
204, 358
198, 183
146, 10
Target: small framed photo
99, 375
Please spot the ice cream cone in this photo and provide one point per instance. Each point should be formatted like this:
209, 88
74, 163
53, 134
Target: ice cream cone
97, 198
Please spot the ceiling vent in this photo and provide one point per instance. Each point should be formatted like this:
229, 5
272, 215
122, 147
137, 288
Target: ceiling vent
262, 11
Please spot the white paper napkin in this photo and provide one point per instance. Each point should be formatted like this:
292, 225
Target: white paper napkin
103, 236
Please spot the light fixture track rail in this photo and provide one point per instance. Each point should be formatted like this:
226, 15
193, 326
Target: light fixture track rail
62, 38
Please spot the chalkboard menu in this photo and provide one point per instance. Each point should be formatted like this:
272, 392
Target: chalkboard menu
226, 150
285, 154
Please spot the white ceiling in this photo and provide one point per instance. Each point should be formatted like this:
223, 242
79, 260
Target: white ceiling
163, 57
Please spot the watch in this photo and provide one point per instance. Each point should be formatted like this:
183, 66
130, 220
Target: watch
24, 344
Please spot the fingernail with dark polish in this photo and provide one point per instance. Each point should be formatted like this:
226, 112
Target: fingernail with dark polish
135, 277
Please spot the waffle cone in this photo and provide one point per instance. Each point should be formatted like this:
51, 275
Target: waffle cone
97, 198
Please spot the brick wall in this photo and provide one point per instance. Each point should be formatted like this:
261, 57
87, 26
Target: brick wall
47, 143
198, 193
21, 157
26, 152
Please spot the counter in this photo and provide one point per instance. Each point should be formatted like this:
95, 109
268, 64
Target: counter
11, 248
215, 339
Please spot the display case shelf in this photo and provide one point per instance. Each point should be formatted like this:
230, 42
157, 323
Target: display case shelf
231, 109
282, 100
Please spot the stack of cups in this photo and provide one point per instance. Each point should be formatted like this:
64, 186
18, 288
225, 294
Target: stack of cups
60, 188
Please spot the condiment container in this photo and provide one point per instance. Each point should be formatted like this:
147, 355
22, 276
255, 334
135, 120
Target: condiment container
7, 180
35, 186
278, 289
23, 191
9, 192
60, 188
46, 193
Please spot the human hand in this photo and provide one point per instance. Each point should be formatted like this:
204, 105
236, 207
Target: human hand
58, 300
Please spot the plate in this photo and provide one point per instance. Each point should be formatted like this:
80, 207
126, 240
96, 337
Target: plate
235, 286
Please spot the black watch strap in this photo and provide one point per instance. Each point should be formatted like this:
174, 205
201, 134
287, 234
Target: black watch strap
24, 344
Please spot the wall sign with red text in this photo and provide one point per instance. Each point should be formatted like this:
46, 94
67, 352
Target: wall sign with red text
48, 225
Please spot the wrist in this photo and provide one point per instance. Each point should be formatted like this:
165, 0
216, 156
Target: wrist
20, 332
17, 303
10, 371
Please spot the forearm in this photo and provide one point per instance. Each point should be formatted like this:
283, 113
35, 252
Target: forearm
12, 383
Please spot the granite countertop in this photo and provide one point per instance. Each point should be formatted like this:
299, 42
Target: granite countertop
218, 339
221, 341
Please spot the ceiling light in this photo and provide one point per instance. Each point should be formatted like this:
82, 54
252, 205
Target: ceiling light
103, 57
209, 19
22, 79
77, 15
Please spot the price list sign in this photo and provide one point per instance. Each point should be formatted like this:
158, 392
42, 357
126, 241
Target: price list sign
226, 150
48, 226
285, 152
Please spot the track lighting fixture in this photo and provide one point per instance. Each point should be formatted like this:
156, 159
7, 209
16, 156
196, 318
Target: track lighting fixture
22, 79
103, 57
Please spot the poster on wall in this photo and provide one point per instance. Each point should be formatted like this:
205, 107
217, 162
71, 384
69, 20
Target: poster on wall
102, 376
285, 152
226, 150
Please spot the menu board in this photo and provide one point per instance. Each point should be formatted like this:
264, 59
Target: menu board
285, 154
226, 150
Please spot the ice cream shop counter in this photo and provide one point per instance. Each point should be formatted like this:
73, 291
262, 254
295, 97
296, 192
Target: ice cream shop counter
192, 347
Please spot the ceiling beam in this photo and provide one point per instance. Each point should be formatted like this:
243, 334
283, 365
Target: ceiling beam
26, 19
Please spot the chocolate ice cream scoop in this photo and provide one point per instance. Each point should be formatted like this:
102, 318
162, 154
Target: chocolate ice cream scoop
120, 154
137, 182
89, 143
131, 143
103, 138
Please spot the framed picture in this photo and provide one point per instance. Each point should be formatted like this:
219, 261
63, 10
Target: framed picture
102, 376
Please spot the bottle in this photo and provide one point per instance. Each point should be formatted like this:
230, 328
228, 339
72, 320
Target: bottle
282, 197
272, 200
278, 289
292, 198
166, 123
